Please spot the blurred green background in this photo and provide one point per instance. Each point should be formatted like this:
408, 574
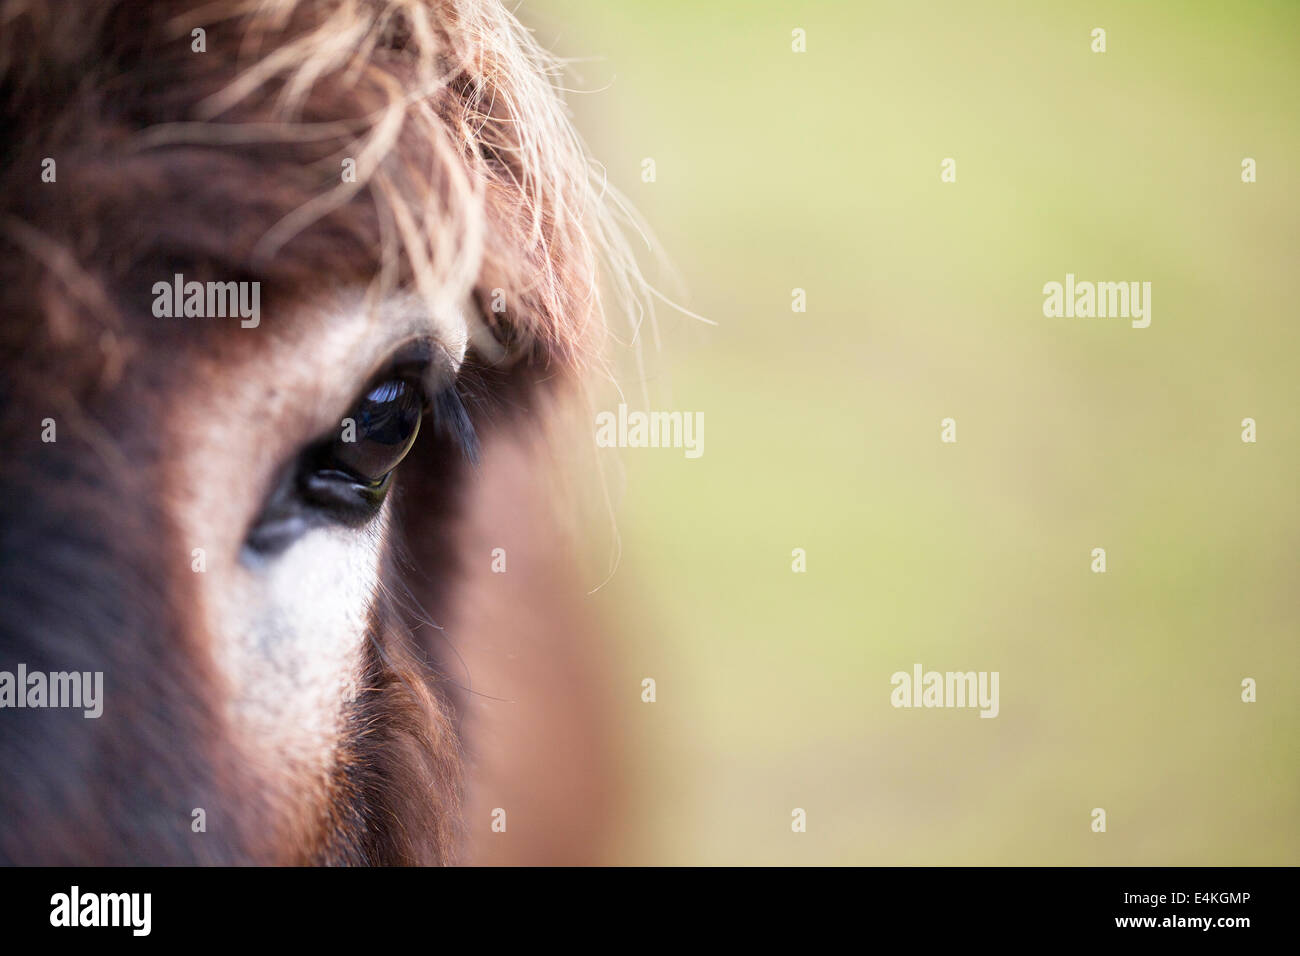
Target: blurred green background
820, 170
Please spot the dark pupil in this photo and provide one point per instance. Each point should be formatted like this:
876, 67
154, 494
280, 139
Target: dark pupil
387, 421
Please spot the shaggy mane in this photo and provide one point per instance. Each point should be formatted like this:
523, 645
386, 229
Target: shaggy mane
469, 177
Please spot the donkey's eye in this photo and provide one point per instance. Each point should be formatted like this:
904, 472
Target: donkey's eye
344, 477
348, 476
378, 433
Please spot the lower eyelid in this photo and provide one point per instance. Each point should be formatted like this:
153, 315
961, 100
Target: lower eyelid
350, 501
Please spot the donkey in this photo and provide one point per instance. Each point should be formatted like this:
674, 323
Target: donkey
280, 537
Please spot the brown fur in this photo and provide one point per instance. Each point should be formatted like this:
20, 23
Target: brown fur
225, 165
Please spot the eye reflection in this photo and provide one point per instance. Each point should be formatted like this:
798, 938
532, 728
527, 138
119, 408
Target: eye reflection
385, 425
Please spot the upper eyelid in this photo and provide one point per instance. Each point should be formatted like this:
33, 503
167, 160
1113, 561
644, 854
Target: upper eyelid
420, 358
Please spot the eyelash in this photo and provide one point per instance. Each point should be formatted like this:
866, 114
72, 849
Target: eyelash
448, 414
444, 406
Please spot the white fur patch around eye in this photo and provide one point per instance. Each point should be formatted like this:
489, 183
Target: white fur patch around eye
288, 635
297, 630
